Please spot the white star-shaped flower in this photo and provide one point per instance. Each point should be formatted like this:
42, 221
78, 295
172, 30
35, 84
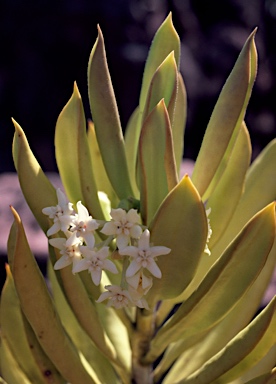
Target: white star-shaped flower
116, 296
83, 225
95, 262
61, 214
144, 256
124, 226
69, 250
138, 286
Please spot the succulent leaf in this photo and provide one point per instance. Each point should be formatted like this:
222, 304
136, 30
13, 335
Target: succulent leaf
10, 369
101, 178
165, 41
32, 179
225, 197
266, 378
106, 119
195, 316
245, 350
43, 317
179, 224
73, 156
101, 366
255, 196
238, 317
132, 136
156, 161
20, 340
162, 86
227, 116
178, 121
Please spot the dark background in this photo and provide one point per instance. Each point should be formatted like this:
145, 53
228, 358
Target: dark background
45, 46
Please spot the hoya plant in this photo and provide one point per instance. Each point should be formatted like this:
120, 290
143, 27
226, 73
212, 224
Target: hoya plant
152, 277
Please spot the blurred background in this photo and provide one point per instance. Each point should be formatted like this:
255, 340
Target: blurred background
45, 46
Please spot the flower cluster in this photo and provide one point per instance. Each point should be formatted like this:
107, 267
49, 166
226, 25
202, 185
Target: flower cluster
78, 247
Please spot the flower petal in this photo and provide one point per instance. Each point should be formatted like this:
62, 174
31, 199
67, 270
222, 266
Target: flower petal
135, 231
159, 250
144, 239
63, 262
83, 213
96, 276
81, 265
118, 214
122, 241
132, 216
110, 266
129, 251
89, 239
58, 242
54, 228
109, 228
132, 268
154, 269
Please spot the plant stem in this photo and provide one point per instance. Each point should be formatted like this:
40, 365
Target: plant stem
142, 374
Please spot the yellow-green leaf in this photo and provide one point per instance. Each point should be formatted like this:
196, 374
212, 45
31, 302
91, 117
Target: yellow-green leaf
178, 121
225, 283
13, 328
165, 41
101, 178
156, 161
106, 119
10, 369
39, 310
245, 350
36, 187
101, 366
180, 224
227, 116
132, 136
73, 156
163, 85
225, 197
216, 338
259, 190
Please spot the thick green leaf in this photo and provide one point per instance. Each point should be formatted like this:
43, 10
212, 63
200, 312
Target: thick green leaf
178, 121
101, 178
266, 378
223, 203
10, 369
101, 366
227, 116
180, 224
223, 286
265, 365
13, 329
107, 122
39, 310
37, 189
221, 334
245, 350
73, 156
70, 121
132, 136
162, 86
156, 161
165, 41
224, 199
259, 190
85, 311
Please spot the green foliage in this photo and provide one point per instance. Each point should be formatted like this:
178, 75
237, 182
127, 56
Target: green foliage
197, 323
